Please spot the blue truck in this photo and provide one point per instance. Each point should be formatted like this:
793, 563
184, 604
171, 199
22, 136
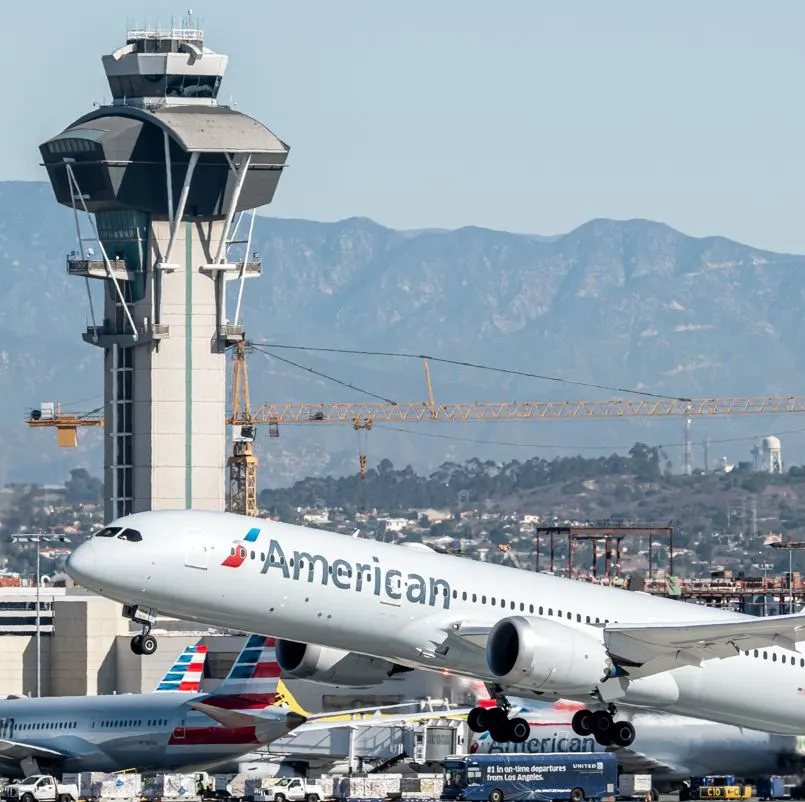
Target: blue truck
545, 776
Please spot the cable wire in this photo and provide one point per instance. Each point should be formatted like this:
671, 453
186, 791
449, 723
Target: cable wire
465, 364
323, 375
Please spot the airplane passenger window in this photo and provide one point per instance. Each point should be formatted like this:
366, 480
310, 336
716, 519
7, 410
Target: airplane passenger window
262, 557
474, 598
130, 534
782, 658
512, 605
540, 610
483, 599
530, 608
774, 658
765, 655
578, 617
109, 531
252, 555
559, 613
550, 611
464, 596
522, 607
492, 600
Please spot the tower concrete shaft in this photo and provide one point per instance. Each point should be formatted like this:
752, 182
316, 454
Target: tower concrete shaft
162, 177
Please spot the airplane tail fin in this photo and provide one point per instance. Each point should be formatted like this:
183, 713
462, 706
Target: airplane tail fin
252, 682
186, 673
284, 698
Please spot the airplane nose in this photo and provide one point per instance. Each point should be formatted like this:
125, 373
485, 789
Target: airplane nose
80, 565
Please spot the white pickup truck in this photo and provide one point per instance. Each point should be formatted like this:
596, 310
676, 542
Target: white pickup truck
39, 788
290, 789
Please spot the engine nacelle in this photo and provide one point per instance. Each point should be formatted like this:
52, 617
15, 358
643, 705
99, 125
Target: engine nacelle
539, 653
333, 666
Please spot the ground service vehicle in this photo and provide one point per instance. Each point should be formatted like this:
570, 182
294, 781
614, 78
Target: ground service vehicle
290, 789
39, 788
558, 776
716, 787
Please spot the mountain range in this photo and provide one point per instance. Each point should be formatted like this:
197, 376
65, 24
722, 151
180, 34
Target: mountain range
625, 305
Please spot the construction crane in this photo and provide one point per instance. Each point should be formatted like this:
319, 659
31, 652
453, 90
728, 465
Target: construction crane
66, 424
363, 414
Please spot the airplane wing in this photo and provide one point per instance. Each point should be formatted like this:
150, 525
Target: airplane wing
235, 718
380, 720
17, 750
644, 649
633, 762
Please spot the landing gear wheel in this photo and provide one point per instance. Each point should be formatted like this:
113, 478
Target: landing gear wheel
148, 644
623, 733
582, 723
519, 730
602, 723
136, 644
604, 738
476, 719
498, 725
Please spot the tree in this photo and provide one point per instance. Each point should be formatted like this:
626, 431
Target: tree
83, 488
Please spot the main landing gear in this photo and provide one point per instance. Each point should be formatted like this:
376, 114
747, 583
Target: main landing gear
496, 721
144, 643
602, 726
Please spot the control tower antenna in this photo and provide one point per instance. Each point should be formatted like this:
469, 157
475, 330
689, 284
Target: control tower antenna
162, 177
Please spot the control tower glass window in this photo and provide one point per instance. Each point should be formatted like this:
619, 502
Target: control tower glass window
190, 86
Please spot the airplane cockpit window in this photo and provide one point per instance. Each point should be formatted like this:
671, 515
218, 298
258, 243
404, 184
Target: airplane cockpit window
109, 531
130, 534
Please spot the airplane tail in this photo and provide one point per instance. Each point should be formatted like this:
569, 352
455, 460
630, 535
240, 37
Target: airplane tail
186, 673
253, 680
284, 698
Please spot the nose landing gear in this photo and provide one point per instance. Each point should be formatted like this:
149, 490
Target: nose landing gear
144, 643
602, 726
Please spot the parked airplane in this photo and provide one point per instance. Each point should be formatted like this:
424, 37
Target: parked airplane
164, 730
368, 610
671, 748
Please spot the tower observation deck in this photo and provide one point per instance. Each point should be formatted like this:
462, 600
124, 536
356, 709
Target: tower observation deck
160, 181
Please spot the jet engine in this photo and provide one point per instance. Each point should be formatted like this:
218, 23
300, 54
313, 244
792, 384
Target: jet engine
333, 666
540, 653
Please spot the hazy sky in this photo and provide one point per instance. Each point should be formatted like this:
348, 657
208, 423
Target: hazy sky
525, 115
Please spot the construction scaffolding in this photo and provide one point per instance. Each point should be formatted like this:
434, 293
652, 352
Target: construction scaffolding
610, 535
752, 595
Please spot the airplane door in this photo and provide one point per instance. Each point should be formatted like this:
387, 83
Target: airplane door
7, 729
197, 554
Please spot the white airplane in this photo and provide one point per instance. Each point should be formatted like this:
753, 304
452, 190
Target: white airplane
350, 611
671, 748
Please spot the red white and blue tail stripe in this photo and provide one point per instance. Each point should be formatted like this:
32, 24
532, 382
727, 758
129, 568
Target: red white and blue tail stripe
186, 673
252, 681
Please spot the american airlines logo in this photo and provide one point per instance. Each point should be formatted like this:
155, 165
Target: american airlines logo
238, 552
388, 584
304, 566
557, 742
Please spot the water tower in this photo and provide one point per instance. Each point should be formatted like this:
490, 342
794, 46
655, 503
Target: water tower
771, 455
160, 180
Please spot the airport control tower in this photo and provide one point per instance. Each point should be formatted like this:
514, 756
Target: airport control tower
160, 181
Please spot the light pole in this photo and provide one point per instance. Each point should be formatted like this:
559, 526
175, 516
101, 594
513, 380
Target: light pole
790, 545
37, 539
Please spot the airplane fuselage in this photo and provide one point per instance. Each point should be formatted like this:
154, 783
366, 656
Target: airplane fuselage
408, 606
672, 748
158, 732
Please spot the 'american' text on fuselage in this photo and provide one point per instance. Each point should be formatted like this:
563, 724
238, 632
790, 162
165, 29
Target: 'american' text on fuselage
390, 583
